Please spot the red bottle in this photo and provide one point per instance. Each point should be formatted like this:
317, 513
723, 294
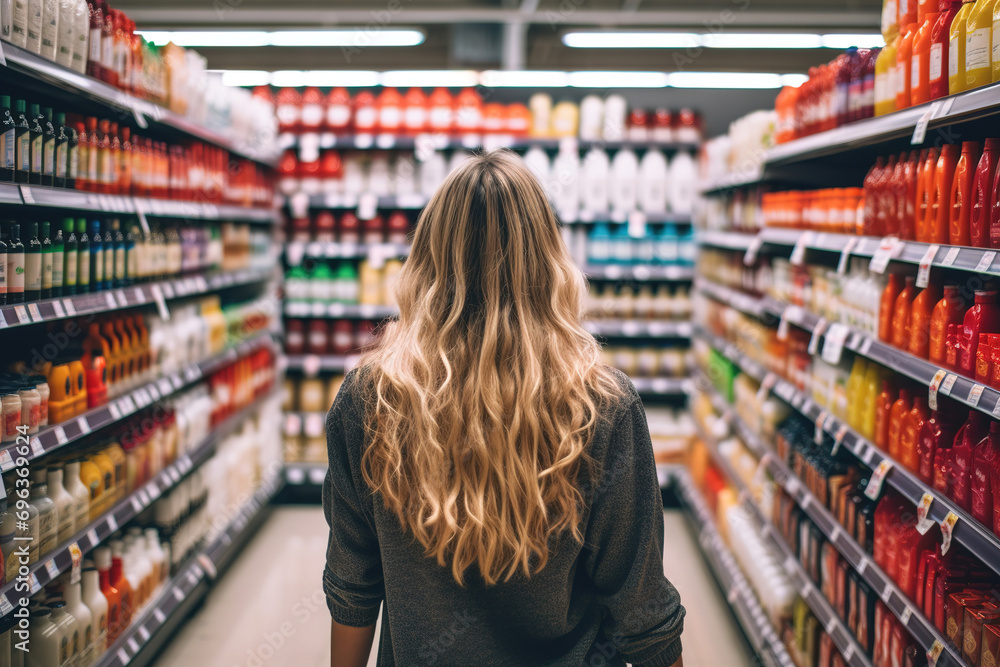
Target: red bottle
441, 115
415, 111
979, 217
994, 203
313, 113
397, 228
962, 193
883, 408
338, 111
950, 310
350, 228
318, 337
983, 358
390, 111
343, 337
872, 186
906, 198
925, 193
953, 346
920, 320
365, 113
909, 438
941, 427
884, 201
118, 580
326, 226
288, 109
102, 559
895, 196
972, 431
944, 175
983, 317
984, 458
900, 408
95, 56
887, 305
940, 36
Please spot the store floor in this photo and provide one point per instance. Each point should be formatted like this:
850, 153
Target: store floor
268, 609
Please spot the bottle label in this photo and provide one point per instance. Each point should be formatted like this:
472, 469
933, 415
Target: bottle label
62, 159
3, 274
83, 268
33, 271
24, 152
7, 149
95, 45
312, 115
977, 50
49, 157
15, 273
937, 59
73, 162
996, 44
71, 268
57, 268
953, 57
47, 270
915, 74
49, 31
96, 265
120, 263
109, 264
19, 25
36, 154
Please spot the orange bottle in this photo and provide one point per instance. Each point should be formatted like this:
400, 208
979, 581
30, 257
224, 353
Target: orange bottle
920, 320
415, 111
944, 175
904, 56
901, 314
901, 406
441, 115
925, 192
920, 82
950, 310
913, 422
885, 209
872, 188
389, 106
886, 306
102, 559
906, 198
896, 193
883, 408
962, 193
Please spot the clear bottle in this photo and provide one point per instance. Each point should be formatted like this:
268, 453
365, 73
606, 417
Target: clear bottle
48, 515
29, 531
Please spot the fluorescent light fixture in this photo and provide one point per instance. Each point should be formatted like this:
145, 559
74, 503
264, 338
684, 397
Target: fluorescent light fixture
523, 79
725, 80
446, 78
867, 41
357, 37
631, 40
618, 79
761, 41
794, 80
324, 78
245, 77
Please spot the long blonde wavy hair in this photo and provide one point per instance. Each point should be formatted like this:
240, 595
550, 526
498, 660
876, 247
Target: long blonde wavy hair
485, 393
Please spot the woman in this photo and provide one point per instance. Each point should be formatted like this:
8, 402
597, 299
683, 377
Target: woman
491, 481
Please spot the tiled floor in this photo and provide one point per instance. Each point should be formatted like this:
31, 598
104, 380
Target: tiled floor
268, 609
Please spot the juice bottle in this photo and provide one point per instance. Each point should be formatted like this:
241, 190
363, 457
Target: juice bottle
913, 423
900, 407
871, 188
870, 393
907, 13
904, 56
884, 209
940, 37
920, 84
956, 49
961, 193
959, 477
102, 559
855, 384
897, 196
885, 69
920, 320
925, 193
950, 310
925, 7
944, 175
941, 427
979, 217
984, 456
978, 45
886, 306
882, 411
890, 18
983, 354
953, 346
983, 317
389, 105
901, 314
415, 111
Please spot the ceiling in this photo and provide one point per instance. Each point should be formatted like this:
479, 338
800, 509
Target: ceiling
511, 34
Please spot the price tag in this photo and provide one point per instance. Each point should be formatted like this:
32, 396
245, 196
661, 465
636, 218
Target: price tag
996, 409
818, 435
367, 206
863, 565
923, 510
161, 304
799, 251
178, 593
866, 346
36, 448
975, 394
5, 606
36, 315
51, 569
833, 344
76, 557
874, 487
920, 129
948, 383
175, 475
110, 299
70, 308
924, 272
83, 425
838, 439
750, 257
947, 529
112, 523
136, 504
887, 593
159, 615
886, 251
60, 434
165, 387
27, 195
766, 385
92, 538
817, 333
835, 534
986, 261
845, 255
22, 315
143, 633
58, 308
121, 298
153, 392
952, 255
34, 585
932, 388
207, 565
115, 411
133, 645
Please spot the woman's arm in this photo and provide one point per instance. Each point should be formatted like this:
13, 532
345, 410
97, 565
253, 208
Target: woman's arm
350, 646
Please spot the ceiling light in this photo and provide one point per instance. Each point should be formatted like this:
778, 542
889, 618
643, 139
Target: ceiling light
794, 80
761, 41
245, 77
723, 40
358, 37
237, 38
617, 79
447, 78
868, 41
725, 80
324, 78
523, 79
631, 40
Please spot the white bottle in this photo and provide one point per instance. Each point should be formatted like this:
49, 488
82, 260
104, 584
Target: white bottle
67, 32
538, 162
157, 557
432, 173
50, 28
682, 183
19, 23
81, 19
48, 516
565, 180
378, 175
591, 118
596, 174
65, 504
653, 173
69, 630
84, 619
615, 110
45, 636
6, 18
624, 174
541, 114
354, 176
34, 42
405, 176
96, 602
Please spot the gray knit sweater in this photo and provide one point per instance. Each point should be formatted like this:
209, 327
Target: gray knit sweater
604, 602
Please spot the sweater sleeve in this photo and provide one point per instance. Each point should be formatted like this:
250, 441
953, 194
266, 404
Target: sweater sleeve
624, 546
352, 579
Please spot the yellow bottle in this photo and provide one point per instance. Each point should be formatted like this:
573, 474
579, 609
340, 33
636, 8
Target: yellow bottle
855, 385
872, 385
107, 470
995, 57
115, 452
91, 477
956, 49
885, 82
978, 45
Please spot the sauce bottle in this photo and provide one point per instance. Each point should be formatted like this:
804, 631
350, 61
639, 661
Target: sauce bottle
102, 559
940, 37
904, 56
979, 217
983, 317
984, 456
953, 346
886, 306
390, 111
978, 45
33, 265
920, 84
912, 425
855, 384
884, 201
440, 115
869, 406
415, 111
901, 314
338, 110
883, 408
971, 433
950, 310
941, 427
920, 320
885, 69
15, 265
994, 212
956, 49
944, 175
961, 193
906, 12
902, 405
925, 193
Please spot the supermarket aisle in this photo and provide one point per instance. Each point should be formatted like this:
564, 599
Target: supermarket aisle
269, 609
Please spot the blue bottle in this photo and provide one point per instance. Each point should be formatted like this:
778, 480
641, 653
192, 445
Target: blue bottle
666, 250
599, 244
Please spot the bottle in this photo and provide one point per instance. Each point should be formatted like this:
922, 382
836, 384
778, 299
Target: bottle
869, 407
33, 266
35, 125
920, 84
79, 492
58, 262
61, 151
956, 49
121, 583
979, 217
47, 259
45, 635
131, 255
978, 45
925, 193
48, 147
109, 257
902, 405
904, 57
82, 257
120, 255
901, 314
950, 310
8, 139
971, 433
944, 175
938, 432
48, 516
885, 69
103, 561
8, 521
920, 320
34, 26
907, 198
15, 265
3, 271
70, 258
69, 630
940, 38
73, 593
912, 425
962, 193
983, 317
855, 385
65, 504
72, 158
22, 144
887, 305
97, 602
883, 409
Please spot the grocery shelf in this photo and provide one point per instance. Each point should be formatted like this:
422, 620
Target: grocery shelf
726, 240
732, 181
305, 423
662, 387
106, 301
18, 62
922, 630
139, 644
747, 609
296, 251
305, 474
977, 539
78, 200
638, 273
441, 141
314, 364
351, 311
638, 328
57, 436
834, 626
100, 529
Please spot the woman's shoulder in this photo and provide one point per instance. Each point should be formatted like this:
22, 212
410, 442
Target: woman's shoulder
627, 396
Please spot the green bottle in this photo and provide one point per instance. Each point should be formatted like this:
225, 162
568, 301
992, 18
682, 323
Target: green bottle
33, 265
15, 265
7, 139
34, 121
109, 256
58, 260
62, 151
96, 257
70, 258
82, 257
47, 258
121, 254
22, 144
48, 147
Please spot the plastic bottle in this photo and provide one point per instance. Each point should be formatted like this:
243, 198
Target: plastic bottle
79, 492
995, 56
913, 423
944, 175
682, 181
971, 433
978, 45
979, 217
887, 304
48, 257
653, 182
624, 176
885, 69
869, 406
938, 431
950, 310
84, 618
901, 314
884, 201
900, 407
855, 386
940, 51
920, 83
920, 320
962, 193
983, 317
904, 57
45, 636
956, 49
984, 457
64, 502
116, 622
596, 173
48, 516
69, 631
98, 603
338, 110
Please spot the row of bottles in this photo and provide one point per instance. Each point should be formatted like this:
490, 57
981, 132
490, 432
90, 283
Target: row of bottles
324, 227
323, 282
650, 302
631, 244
